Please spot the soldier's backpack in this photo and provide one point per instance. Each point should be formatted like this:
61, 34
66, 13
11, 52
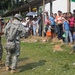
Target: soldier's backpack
10, 32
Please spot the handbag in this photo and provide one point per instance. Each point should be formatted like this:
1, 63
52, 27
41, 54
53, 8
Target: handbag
64, 35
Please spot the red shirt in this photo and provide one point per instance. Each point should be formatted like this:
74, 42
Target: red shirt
71, 22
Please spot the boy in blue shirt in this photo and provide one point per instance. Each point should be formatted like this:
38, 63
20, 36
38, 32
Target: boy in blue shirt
66, 29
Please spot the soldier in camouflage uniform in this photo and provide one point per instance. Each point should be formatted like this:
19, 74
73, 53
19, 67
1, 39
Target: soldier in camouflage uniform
14, 55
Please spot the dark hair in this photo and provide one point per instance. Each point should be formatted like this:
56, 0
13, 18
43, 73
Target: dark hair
66, 17
69, 13
59, 11
74, 10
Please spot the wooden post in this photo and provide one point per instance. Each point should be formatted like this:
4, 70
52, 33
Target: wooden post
43, 18
29, 8
68, 5
37, 10
12, 14
51, 7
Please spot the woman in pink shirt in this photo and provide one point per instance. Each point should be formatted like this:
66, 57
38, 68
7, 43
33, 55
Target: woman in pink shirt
71, 22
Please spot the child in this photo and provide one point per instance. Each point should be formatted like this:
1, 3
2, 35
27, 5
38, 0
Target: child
66, 29
48, 33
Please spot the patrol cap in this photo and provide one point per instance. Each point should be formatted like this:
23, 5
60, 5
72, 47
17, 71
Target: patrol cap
18, 16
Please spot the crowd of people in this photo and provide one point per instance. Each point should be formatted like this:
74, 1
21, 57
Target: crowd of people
33, 26
60, 24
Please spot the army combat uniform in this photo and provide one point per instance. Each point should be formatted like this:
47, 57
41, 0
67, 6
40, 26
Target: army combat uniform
14, 55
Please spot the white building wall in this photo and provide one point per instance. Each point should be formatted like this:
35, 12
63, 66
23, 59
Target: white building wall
59, 5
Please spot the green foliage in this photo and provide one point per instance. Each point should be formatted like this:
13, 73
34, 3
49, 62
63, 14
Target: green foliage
10, 4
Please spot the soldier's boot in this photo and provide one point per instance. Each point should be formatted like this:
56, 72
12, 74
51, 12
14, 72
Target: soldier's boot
7, 68
13, 71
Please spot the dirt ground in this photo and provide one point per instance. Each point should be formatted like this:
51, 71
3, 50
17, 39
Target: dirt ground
31, 39
57, 43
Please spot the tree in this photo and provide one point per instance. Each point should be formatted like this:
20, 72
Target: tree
10, 4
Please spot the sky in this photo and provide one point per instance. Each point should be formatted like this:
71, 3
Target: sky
60, 5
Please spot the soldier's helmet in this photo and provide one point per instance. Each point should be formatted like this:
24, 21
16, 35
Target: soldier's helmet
18, 16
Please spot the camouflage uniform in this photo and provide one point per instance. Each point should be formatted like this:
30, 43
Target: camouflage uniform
14, 55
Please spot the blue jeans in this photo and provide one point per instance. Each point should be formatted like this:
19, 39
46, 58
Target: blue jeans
60, 32
34, 30
68, 34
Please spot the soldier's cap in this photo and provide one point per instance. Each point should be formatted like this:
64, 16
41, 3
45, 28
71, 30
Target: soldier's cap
18, 16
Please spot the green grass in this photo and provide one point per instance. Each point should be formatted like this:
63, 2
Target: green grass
39, 59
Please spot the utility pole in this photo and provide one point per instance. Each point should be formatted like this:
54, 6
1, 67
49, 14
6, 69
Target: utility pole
68, 5
51, 7
30, 8
43, 18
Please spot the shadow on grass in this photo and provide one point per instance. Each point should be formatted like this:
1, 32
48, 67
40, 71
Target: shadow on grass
23, 59
32, 65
